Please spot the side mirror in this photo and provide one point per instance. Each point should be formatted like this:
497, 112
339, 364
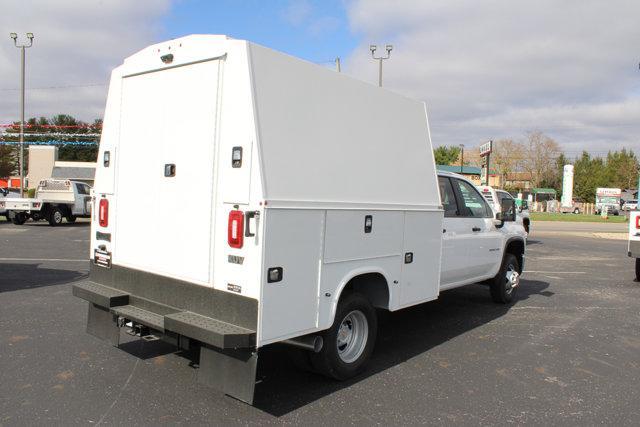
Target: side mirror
508, 212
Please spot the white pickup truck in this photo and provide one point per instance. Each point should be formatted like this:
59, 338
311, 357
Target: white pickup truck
54, 200
496, 199
312, 199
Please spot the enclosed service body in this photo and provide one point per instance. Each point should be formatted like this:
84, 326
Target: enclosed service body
269, 185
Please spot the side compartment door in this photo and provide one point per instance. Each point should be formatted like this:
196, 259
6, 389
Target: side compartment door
421, 258
454, 250
481, 237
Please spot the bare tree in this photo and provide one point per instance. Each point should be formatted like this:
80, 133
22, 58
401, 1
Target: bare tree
507, 157
540, 153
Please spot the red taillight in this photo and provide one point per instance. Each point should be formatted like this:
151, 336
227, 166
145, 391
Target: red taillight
236, 227
103, 213
638, 221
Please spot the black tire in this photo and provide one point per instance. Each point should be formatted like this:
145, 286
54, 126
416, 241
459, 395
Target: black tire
502, 290
637, 269
71, 219
55, 216
525, 224
19, 218
576, 211
329, 361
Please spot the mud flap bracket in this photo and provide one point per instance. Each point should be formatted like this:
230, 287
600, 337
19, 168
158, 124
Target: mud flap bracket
231, 371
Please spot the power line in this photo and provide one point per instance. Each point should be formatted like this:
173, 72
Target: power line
56, 87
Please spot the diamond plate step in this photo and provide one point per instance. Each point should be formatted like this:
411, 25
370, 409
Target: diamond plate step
101, 295
209, 331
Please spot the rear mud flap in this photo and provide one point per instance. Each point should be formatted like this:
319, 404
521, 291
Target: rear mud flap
231, 371
101, 324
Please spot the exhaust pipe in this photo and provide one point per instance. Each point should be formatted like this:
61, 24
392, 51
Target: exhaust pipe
308, 342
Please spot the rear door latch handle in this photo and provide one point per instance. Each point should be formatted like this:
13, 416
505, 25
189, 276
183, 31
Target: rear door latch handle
249, 216
475, 229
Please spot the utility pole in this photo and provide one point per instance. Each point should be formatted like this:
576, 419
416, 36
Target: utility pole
338, 64
461, 158
22, 47
373, 49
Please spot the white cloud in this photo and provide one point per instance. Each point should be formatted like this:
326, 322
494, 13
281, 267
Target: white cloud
297, 12
499, 68
76, 43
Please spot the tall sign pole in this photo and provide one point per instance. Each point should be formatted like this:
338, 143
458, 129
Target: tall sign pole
485, 151
22, 47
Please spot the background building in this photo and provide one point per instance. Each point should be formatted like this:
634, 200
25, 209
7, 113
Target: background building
44, 163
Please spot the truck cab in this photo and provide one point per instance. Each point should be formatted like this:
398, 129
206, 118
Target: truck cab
477, 240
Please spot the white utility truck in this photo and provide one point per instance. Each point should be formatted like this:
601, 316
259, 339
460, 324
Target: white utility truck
54, 200
497, 198
312, 198
634, 240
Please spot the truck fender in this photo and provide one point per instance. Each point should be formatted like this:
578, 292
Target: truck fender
347, 278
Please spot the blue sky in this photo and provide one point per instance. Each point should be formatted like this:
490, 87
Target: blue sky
317, 31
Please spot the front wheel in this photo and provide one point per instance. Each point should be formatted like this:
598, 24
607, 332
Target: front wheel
505, 285
576, 211
55, 217
349, 342
637, 269
71, 219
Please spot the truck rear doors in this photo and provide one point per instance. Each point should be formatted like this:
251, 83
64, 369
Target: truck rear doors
166, 173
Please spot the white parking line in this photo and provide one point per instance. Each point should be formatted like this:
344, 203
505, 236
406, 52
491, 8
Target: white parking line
44, 259
554, 272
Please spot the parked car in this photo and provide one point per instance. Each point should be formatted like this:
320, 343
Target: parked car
630, 205
308, 215
55, 199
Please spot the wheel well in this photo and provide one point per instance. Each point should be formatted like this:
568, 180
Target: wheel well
516, 248
373, 286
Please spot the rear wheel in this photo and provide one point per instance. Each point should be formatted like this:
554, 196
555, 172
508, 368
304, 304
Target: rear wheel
637, 269
505, 285
19, 218
55, 216
349, 342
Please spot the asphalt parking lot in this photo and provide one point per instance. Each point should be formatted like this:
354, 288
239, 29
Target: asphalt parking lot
567, 352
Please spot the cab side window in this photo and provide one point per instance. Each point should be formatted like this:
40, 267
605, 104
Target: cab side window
447, 196
81, 189
472, 202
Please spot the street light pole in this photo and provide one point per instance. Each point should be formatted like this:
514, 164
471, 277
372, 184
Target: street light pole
461, 158
373, 49
22, 47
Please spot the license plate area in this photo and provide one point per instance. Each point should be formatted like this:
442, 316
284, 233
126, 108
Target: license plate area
102, 258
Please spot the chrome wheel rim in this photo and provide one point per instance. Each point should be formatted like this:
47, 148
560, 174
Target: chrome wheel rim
352, 336
57, 217
512, 279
